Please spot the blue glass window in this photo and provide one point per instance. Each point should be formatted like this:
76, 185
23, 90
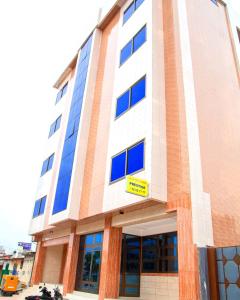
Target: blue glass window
139, 39
159, 253
131, 9
138, 91
135, 158
47, 164
133, 95
39, 207
138, 3
42, 206
67, 159
118, 166
55, 126
61, 93
126, 52
122, 103
36, 209
133, 45
135, 161
128, 12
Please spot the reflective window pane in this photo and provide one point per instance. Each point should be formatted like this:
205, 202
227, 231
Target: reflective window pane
126, 52
36, 209
138, 91
138, 3
128, 12
42, 207
122, 103
135, 158
139, 39
118, 166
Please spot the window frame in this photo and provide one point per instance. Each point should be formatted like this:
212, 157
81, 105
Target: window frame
130, 96
47, 167
238, 34
126, 161
54, 124
60, 92
160, 257
134, 10
40, 200
132, 43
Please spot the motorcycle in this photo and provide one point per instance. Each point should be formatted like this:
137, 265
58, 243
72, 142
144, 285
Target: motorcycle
57, 294
46, 294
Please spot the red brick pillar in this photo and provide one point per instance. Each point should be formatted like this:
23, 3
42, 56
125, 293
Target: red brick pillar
70, 268
188, 270
111, 258
38, 264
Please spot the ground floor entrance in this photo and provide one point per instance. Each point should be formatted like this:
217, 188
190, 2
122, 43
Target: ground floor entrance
89, 261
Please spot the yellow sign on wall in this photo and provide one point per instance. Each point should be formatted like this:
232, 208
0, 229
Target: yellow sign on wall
136, 186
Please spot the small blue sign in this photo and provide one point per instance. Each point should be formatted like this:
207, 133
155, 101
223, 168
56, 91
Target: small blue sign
26, 246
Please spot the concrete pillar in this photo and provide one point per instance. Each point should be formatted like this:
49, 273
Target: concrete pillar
38, 264
111, 259
70, 268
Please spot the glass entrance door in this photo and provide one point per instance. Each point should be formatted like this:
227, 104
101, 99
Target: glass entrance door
130, 266
89, 261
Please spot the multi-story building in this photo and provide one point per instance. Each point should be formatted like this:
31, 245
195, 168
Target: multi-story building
153, 92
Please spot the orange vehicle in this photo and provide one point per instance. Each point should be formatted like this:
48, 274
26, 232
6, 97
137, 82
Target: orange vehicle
9, 285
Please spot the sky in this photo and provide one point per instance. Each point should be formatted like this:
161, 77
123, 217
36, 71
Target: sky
38, 39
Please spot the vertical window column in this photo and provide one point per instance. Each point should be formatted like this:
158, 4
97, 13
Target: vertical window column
65, 172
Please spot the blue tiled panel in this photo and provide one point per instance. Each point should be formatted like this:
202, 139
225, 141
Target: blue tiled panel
222, 292
233, 292
219, 253
220, 271
229, 252
228, 273
231, 271
65, 172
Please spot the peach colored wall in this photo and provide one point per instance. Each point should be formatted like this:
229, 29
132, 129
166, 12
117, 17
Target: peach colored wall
94, 172
178, 175
218, 107
52, 264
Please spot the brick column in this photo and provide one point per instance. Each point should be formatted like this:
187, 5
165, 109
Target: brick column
70, 268
38, 264
111, 258
188, 270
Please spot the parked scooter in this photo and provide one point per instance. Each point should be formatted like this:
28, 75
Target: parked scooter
57, 294
46, 294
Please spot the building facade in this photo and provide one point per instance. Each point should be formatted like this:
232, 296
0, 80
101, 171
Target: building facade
153, 93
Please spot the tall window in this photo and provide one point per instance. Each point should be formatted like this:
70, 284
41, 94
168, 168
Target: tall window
131, 9
39, 207
127, 162
159, 253
61, 93
55, 126
132, 96
132, 46
47, 164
